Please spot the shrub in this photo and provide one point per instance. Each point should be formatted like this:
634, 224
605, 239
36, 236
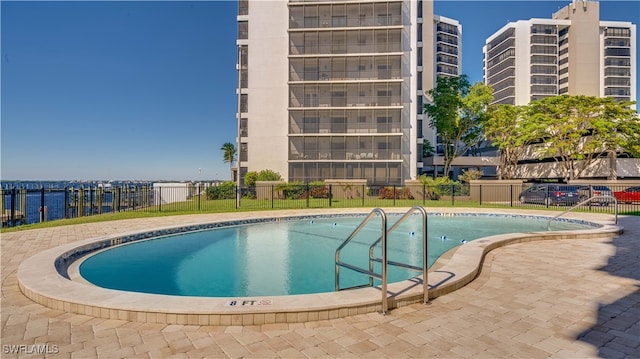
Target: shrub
317, 189
251, 177
394, 193
438, 186
470, 175
292, 190
225, 190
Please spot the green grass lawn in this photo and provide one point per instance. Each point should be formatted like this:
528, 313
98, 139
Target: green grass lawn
199, 205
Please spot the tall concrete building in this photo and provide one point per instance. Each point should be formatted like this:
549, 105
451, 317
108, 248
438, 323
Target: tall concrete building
572, 53
333, 89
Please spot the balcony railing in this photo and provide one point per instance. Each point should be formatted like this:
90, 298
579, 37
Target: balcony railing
345, 75
315, 49
367, 20
330, 101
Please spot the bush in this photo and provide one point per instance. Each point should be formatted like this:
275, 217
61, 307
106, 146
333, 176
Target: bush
317, 189
292, 190
469, 175
439, 186
225, 190
251, 177
300, 190
394, 193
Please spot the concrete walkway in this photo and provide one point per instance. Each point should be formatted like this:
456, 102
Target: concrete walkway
561, 299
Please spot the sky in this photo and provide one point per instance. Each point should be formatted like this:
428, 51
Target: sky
122, 90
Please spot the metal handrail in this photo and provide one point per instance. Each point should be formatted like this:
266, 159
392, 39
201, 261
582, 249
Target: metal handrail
425, 260
382, 276
615, 200
384, 261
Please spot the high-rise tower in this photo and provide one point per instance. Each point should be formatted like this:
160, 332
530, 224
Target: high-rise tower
572, 53
333, 89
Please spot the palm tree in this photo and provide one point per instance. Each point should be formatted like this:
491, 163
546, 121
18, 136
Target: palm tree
229, 155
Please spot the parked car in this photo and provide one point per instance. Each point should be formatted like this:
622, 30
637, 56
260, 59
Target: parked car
629, 195
590, 191
551, 194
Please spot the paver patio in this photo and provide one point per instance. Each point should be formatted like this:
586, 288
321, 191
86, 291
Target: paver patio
574, 298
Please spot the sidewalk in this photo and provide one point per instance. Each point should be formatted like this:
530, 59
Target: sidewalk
564, 299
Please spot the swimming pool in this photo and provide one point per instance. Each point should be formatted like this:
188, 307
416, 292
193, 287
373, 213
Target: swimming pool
51, 276
294, 256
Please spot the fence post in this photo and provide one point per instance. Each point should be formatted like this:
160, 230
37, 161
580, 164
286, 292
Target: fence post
136, 193
91, 200
99, 196
453, 194
364, 189
66, 202
12, 215
143, 197
394, 195
73, 203
42, 214
546, 198
124, 201
23, 205
308, 193
199, 195
2, 209
149, 195
81, 202
480, 190
511, 195
116, 199
330, 194
271, 196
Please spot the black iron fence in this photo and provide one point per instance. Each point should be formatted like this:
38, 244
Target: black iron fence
24, 206
29, 205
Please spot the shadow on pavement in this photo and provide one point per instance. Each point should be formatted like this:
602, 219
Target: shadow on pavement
617, 332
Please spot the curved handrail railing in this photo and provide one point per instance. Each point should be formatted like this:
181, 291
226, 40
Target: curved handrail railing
615, 200
371, 274
425, 259
384, 260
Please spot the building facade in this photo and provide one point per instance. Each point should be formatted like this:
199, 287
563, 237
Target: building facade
572, 53
334, 89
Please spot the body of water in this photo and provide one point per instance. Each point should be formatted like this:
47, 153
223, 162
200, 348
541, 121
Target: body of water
56, 198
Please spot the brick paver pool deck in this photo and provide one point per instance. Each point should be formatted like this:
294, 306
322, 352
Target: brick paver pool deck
570, 298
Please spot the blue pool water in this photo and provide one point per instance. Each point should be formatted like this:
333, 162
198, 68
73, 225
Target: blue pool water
286, 257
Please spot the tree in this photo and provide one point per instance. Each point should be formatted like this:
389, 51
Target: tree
456, 111
578, 130
229, 155
511, 133
427, 149
469, 175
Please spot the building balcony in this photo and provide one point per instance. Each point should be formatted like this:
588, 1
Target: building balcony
337, 49
328, 21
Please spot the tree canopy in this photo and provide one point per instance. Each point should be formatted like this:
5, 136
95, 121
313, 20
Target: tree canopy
507, 130
573, 130
456, 110
577, 130
229, 155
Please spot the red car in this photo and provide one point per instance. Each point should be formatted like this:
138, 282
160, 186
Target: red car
629, 195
